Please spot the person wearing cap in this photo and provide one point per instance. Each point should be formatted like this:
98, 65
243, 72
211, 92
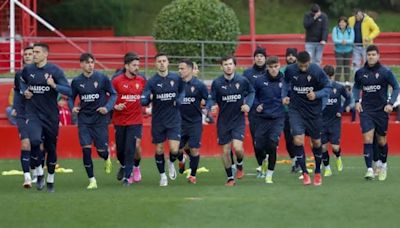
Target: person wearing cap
316, 25
258, 69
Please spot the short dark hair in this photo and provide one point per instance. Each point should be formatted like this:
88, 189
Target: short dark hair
272, 60
28, 48
329, 70
85, 57
315, 8
225, 58
372, 47
42, 45
188, 62
357, 10
161, 54
343, 18
130, 56
303, 57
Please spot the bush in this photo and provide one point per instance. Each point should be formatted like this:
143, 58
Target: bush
205, 20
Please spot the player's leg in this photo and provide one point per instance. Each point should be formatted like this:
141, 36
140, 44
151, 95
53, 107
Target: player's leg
85, 139
100, 138
368, 131
159, 136
120, 133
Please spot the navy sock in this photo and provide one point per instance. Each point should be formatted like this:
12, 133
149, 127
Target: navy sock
51, 162
384, 153
325, 158
180, 156
318, 158
229, 173
103, 154
25, 160
136, 162
194, 163
299, 150
272, 160
239, 164
32, 163
259, 155
337, 153
87, 161
172, 156
368, 154
232, 158
160, 162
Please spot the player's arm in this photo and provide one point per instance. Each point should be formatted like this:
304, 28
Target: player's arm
111, 91
356, 92
347, 99
395, 87
59, 83
285, 88
205, 96
145, 98
326, 84
181, 92
74, 93
249, 99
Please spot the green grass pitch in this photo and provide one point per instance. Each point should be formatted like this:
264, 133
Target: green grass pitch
344, 200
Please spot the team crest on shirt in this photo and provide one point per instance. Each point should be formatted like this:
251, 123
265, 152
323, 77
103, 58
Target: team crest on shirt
309, 78
95, 84
137, 86
125, 86
46, 76
377, 75
172, 83
334, 90
237, 85
280, 84
192, 89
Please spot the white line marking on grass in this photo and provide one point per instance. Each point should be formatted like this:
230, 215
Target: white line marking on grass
193, 198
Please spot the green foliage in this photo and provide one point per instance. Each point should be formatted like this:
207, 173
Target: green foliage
208, 20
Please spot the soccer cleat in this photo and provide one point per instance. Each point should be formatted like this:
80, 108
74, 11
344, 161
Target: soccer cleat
327, 173
306, 179
125, 182
40, 183
230, 183
171, 170
92, 185
108, 165
268, 180
27, 183
120, 174
369, 175
239, 173
382, 174
192, 180
317, 179
339, 164
50, 187
163, 181
182, 165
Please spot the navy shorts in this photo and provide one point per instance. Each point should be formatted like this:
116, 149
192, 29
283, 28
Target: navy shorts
191, 135
93, 133
268, 130
43, 132
227, 133
160, 133
22, 128
301, 125
374, 120
331, 133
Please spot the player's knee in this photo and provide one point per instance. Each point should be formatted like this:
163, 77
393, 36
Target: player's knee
298, 141
25, 145
335, 148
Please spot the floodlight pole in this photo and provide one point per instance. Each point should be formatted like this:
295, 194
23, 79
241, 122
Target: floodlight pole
252, 25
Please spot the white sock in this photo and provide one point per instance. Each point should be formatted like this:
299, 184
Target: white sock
92, 179
163, 175
328, 167
294, 161
39, 170
270, 173
384, 165
370, 169
50, 178
27, 176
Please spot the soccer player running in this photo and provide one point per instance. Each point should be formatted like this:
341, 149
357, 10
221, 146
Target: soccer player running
97, 98
308, 86
165, 90
128, 118
332, 121
42, 83
258, 69
374, 107
270, 113
191, 113
234, 95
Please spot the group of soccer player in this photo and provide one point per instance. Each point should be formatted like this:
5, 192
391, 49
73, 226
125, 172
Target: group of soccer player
301, 100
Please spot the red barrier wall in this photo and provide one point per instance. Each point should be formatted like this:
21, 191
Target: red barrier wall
68, 143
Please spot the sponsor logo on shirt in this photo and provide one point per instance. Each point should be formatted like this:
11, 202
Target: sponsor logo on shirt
302, 89
371, 88
38, 89
188, 100
90, 97
232, 98
166, 96
130, 97
332, 101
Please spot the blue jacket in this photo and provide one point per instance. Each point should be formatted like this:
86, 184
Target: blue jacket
338, 36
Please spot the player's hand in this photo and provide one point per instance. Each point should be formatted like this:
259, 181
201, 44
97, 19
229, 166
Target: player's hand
76, 109
214, 109
13, 112
245, 108
28, 94
388, 108
50, 82
311, 96
323, 42
338, 114
120, 106
286, 100
358, 107
260, 108
102, 110
344, 42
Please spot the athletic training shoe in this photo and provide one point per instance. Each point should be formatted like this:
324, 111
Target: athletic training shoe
34, 178
27, 183
369, 175
50, 187
192, 180
268, 180
163, 181
108, 165
125, 182
40, 183
120, 174
317, 179
230, 183
339, 164
171, 171
306, 179
327, 172
239, 173
382, 174
182, 165
92, 185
